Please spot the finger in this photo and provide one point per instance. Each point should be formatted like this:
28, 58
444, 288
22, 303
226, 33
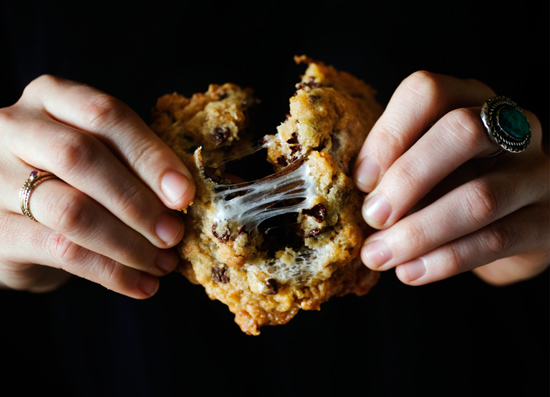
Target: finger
462, 211
453, 140
84, 162
512, 235
23, 275
121, 129
68, 211
32, 243
418, 102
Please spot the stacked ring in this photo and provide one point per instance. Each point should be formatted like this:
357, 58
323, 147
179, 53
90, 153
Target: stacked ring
35, 179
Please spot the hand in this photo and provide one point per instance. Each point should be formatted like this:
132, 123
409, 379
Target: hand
443, 206
109, 217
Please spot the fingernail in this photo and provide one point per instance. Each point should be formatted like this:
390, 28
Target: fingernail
148, 284
377, 210
174, 185
413, 270
367, 174
378, 253
168, 227
166, 260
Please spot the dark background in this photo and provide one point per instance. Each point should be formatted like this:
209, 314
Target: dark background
458, 337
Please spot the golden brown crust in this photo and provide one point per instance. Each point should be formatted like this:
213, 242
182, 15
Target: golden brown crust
263, 279
212, 120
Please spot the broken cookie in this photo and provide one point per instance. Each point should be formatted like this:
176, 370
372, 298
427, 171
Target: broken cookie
290, 240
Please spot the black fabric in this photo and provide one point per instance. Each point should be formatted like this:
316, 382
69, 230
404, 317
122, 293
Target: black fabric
458, 337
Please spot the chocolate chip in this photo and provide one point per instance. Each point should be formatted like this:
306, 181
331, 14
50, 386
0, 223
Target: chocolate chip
220, 275
281, 160
211, 173
319, 212
272, 286
224, 238
313, 232
295, 148
293, 139
220, 134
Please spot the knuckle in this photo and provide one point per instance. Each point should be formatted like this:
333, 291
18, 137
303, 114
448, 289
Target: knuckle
393, 136
139, 250
71, 150
45, 80
483, 205
109, 273
64, 251
424, 84
128, 205
105, 111
68, 214
465, 129
146, 151
454, 262
498, 240
406, 176
416, 238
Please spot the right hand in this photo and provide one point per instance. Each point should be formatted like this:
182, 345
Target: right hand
110, 217
441, 206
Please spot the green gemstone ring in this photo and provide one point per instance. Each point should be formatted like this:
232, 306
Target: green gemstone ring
506, 124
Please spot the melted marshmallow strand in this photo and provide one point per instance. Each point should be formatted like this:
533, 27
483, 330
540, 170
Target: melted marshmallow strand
252, 203
292, 267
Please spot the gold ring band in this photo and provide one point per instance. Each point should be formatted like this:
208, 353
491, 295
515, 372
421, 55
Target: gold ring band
35, 179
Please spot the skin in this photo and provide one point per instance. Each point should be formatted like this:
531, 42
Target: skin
110, 217
440, 205
445, 207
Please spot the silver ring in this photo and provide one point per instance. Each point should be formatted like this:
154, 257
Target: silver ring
34, 179
506, 124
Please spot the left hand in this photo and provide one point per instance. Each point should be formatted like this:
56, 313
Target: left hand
444, 207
